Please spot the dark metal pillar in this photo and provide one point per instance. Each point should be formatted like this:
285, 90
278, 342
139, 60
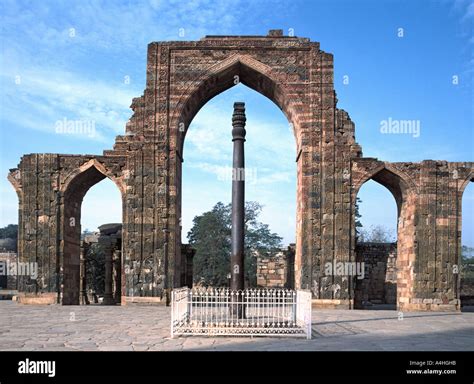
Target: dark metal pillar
238, 203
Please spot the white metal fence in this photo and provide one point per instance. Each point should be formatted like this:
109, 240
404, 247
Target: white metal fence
251, 312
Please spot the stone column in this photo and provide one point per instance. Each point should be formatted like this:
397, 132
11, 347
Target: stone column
84, 251
117, 276
108, 295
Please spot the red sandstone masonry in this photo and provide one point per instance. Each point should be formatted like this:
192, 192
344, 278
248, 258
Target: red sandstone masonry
146, 162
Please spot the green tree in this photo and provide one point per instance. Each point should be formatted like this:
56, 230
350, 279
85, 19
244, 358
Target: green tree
9, 232
9, 237
467, 262
95, 269
211, 238
467, 254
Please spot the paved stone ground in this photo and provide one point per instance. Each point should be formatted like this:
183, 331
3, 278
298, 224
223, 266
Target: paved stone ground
147, 328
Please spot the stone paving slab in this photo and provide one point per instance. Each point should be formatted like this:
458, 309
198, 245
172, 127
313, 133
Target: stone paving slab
147, 328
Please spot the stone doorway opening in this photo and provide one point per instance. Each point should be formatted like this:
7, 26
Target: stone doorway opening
267, 164
387, 261
376, 248
91, 262
101, 265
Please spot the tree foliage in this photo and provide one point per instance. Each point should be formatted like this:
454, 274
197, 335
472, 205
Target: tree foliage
467, 254
467, 262
9, 232
376, 234
9, 237
95, 269
210, 236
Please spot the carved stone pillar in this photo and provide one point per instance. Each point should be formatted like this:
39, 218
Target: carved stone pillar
83, 273
117, 267
108, 297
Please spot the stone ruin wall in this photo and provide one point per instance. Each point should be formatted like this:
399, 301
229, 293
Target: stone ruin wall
8, 282
379, 285
146, 162
276, 270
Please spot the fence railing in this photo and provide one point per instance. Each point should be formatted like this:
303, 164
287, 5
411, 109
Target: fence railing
250, 312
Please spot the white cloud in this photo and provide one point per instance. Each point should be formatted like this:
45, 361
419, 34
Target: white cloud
57, 74
116, 26
45, 96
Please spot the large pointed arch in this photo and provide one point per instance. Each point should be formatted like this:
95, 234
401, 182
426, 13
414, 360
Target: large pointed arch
238, 68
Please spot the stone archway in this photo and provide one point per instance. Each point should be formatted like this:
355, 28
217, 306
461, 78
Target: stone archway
404, 192
221, 77
183, 77
73, 191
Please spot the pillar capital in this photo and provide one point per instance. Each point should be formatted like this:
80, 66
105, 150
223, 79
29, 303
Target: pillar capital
238, 122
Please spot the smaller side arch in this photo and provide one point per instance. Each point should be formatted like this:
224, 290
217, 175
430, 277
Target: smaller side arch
14, 177
405, 192
98, 166
400, 184
466, 181
73, 189
366, 175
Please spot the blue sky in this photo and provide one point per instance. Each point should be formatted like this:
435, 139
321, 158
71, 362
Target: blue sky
86, 60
